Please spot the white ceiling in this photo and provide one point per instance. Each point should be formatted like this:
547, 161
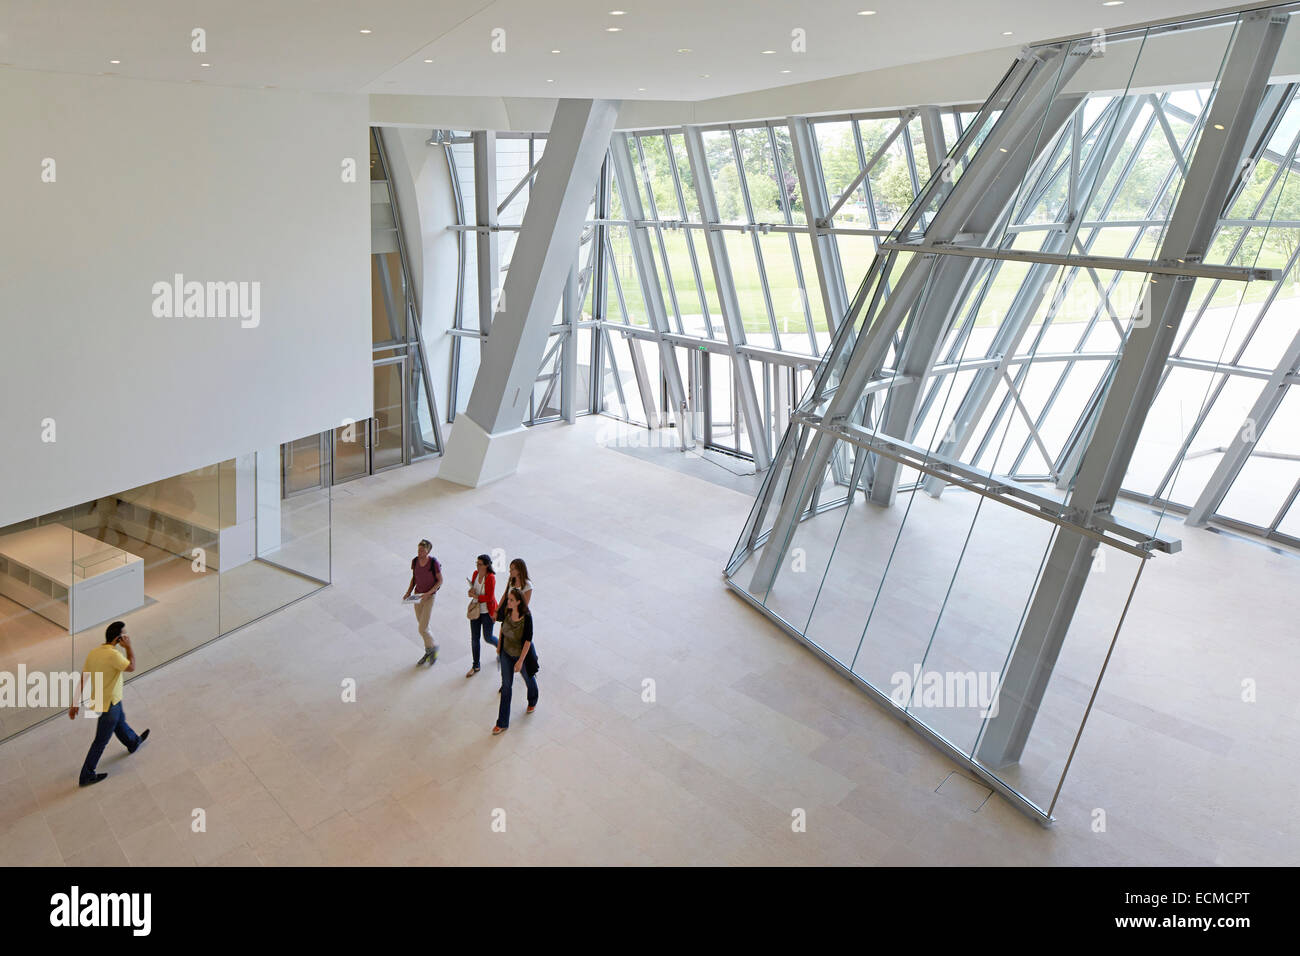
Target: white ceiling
317, 44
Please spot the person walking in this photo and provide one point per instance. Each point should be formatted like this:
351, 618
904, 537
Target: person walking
483, 588
104, 667
516, 641
426, 578
519, 579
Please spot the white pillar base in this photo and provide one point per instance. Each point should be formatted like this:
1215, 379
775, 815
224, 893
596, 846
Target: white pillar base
475, 457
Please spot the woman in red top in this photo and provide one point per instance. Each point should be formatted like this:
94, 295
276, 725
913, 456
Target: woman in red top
483, 585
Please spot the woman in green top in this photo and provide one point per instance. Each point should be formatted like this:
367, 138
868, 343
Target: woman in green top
516, 638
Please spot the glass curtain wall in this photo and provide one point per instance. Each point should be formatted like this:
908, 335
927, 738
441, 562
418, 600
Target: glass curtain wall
803, 206
768, 267
1084, 319
182, 561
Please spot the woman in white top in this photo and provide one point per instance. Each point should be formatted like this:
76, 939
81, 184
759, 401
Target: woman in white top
518, 578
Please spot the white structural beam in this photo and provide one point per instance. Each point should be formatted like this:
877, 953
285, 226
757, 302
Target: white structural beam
1211, 175
488, 439
485, 216
936, 148
729, 302
569, 355
825, 250
1266, 404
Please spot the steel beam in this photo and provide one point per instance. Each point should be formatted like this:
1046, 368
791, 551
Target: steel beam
932, 129
648, 280
825, 250
732, 321
569, 357
1243, 442
485, 215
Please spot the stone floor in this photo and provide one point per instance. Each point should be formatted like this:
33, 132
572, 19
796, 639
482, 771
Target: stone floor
676, 725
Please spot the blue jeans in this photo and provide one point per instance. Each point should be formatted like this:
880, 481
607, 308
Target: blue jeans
481, 623
507, 683
111, 723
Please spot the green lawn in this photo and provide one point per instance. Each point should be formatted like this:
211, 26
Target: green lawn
856, 255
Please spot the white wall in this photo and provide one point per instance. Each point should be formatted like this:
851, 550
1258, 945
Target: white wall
153, 179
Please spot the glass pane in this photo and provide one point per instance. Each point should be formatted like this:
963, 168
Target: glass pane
386, 431
387, 302
303, 464
286, 548
351, 457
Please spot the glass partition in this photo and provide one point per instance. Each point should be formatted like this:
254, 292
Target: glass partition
181, 561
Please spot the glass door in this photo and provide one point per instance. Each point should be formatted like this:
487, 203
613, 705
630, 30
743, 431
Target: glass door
388, 427
302, 464
351, 451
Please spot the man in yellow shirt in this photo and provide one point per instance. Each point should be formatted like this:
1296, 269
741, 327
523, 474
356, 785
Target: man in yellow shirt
104, 668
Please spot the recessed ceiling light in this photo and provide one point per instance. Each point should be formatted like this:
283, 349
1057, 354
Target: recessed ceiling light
1218, 126
205, 64
555, 51
617, 13
684, 49
550, 81
1113, 3
1006, 33
428, 61
766, 52
613, 29
866, 13
365, 31
785, 71
1002, 149
705, 76
115, 61
640, 89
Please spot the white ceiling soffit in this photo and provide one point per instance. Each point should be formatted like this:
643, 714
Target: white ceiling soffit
503, 48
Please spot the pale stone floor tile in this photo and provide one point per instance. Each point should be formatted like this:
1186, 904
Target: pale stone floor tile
29, 842
105, 852
289, 849
179, 796
76, 827
259, 816
220, 834
746, 726
227, 780
155, 845
242, 855
16, 801
127, 808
